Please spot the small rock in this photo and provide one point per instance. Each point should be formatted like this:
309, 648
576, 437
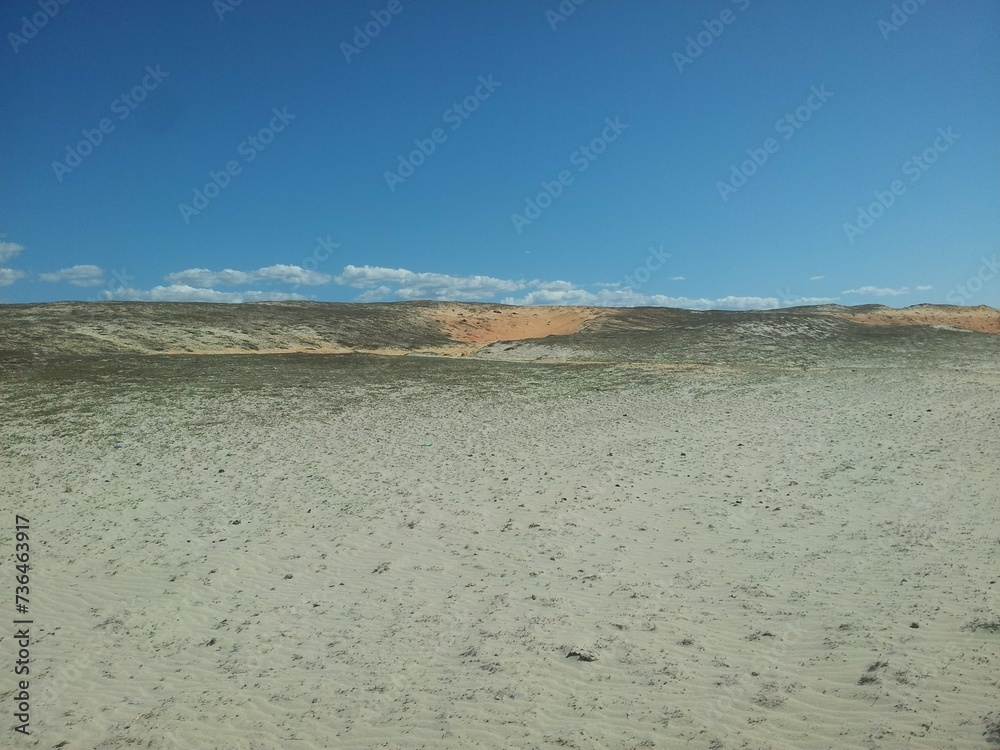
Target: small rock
914, 625
582, 654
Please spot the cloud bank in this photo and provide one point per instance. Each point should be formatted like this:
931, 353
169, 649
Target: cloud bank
202, 277
8, 250
383, 284
877, 291
8, 276
185, 293
76, 275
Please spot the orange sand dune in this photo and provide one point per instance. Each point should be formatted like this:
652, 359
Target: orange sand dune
476, 324
982, 319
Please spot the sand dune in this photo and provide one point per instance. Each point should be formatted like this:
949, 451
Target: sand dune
480, 324
441, 328
983, 319
731, 531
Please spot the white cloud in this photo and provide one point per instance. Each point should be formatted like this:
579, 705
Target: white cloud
552, 286
377, 283
877, 291
380, 294
631, 298
203, 277
410, 285
816, 278
399, 283
570, 295
76, 275
677, 278
185, 293
8, 250
924, 288
8, 276
803, 301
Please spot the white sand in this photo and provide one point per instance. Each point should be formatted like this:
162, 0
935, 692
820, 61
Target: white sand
735, 552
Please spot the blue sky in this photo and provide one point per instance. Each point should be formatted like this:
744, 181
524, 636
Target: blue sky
718, 154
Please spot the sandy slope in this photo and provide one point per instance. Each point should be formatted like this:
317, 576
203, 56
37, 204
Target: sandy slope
408, 564
983, 319
442, 328
480, 324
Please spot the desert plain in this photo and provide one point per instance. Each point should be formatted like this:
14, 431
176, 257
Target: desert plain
445, 525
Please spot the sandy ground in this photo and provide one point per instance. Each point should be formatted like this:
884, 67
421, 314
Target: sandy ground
983, 319
588, 558
474, 324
